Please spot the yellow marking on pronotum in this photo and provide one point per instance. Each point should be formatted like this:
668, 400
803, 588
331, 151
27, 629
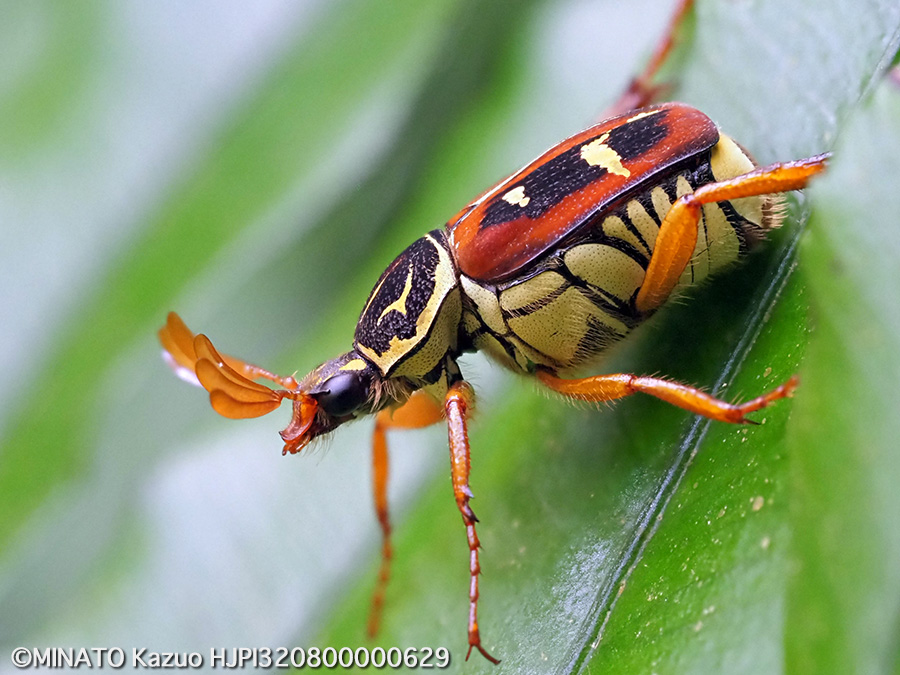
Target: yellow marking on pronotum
517, 197
354, 364
400, 303
598, 153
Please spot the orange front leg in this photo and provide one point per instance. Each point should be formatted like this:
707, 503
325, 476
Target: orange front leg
419, 411
457, 403
611, 387
677, 236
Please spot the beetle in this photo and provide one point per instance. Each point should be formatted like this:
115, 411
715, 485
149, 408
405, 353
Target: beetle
543, 272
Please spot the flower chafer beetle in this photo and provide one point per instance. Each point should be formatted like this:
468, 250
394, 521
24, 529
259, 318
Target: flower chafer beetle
543, 272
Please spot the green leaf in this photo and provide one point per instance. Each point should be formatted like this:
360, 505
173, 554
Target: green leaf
671, 555
844, 599
631, 539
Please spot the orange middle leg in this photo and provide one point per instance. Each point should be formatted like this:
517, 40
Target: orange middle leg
677, 236
419, 411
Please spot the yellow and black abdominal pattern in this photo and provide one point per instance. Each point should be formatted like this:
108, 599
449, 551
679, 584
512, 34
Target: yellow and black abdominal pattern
580, 298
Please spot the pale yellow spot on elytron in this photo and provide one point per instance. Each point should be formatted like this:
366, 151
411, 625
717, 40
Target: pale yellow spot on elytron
400, 303
354, 364
597, 153
641, 115
517, 197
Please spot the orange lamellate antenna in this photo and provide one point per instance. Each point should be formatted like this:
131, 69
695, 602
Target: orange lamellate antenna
179, 344
232, 392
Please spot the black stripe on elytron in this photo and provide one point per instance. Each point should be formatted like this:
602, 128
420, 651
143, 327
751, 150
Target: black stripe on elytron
635, 138
543, 188
551, 182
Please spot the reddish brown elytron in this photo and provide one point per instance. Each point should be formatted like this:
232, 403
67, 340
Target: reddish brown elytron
638, 152
543, 273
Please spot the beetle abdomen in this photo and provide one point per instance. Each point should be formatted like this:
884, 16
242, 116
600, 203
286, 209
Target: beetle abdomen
566, 307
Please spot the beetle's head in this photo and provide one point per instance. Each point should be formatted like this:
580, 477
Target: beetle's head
338, 391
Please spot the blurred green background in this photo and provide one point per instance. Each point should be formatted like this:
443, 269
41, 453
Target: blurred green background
256, 168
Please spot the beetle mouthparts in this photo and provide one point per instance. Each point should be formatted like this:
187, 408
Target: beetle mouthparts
296, 435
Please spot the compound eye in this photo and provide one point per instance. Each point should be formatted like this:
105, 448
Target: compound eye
343, 393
